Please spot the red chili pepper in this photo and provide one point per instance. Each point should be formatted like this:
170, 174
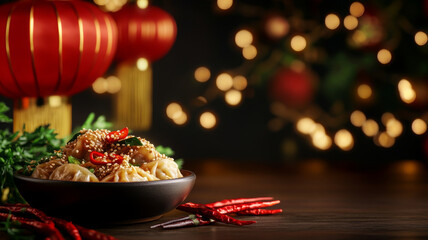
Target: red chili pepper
244, 206
20, 208
90, 234
115, 136
259, 211
98, 158
40, 227
211, 214
69, 227
237, 201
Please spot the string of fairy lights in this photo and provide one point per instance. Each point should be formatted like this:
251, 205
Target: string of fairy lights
231, 85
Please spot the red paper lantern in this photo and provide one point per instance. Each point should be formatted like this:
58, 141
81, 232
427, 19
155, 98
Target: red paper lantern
293, 88
53, 47
144, 33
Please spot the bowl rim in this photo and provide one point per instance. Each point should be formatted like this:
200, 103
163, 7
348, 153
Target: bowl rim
187, 176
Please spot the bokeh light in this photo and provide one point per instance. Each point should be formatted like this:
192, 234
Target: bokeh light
208, 120
240, 82
350, 22
142, 64
370, 128
100, 85
364, 91
243, 38
321, 141
356, 9
181, 119
298, 43
202, 74
344, 140
224, 81
249, 52
332, 21
394, 128
224, 4
305, 125
386, 117
384, 56
113, 84
385, 140
233, 97
277, 27
421, 38
357, 118
419, 126
142, 3
174, 110
406, 91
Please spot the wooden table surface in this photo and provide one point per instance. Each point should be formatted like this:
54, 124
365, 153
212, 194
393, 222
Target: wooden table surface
319, 202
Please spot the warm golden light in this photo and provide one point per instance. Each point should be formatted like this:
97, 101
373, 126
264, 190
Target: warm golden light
142, 64
174, 110
277, 27
54, 101
113, 84
364, 91
298, 43
350, 22
386, 117
357, 118
306, 125
224, 82
202, 74
406, 91
344, 140
419, 126
208, 120
394, 128
321, 141
240, 82
181, 119
100, 85
249, 52
101, 2
370, 128
233, 97
356, 9
243, 38
359, 37
142, 4
224, 4
385, 140
421, 38
332, 21
384, 56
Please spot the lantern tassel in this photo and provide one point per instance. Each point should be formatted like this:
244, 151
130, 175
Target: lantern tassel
30, 113
133, 103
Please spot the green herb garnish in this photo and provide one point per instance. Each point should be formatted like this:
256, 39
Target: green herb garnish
74, 137
91, 170
165, 150
133, 141
73, 160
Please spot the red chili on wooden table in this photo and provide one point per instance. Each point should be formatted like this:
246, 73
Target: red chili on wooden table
115, 136
217, 211
47, 226
98, 158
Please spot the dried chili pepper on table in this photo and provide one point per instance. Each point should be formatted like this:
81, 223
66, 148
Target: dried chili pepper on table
259, 211
45, 229
236, 201
245, 206
212, 214
75, 231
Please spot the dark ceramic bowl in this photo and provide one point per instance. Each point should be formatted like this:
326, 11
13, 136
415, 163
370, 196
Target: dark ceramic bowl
98, 203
